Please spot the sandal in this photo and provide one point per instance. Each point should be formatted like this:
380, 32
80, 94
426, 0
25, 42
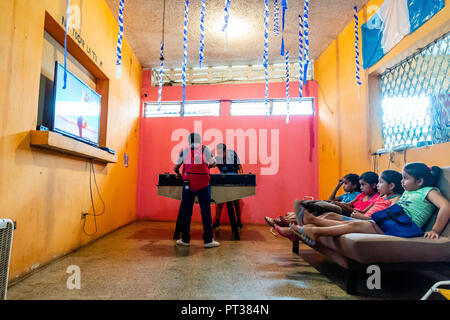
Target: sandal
271, 222
281, 233
284, 222
298, 230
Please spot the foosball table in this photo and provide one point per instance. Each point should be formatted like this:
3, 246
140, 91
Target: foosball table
224, 187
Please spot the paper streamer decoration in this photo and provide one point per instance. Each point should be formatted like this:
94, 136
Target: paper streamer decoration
300, 56
284, 5
65, 44
306, 36
266, 55
119, 40
183, 72
227, 15
358, 78
202, 32
276, 18
287, 85
161, 58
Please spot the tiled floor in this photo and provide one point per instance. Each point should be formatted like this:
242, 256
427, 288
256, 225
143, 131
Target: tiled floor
140, 261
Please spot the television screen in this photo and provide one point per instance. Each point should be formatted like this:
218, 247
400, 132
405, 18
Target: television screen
77, 108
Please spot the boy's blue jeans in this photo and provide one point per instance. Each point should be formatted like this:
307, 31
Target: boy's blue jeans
204, 199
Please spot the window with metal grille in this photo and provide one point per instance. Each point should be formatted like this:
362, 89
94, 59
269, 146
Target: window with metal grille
153, 110
415, 98
199, 109
296, 107
173, 109
276, 107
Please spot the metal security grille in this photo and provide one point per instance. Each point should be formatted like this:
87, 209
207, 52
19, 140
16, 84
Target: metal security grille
6, 234
415, 98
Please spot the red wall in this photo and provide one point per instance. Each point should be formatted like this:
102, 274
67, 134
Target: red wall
298, 157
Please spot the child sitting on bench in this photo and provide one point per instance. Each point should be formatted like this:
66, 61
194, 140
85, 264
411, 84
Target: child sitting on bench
405, 219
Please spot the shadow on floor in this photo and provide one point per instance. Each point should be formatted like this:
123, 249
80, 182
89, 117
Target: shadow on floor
169, 250
395, 284
223, 234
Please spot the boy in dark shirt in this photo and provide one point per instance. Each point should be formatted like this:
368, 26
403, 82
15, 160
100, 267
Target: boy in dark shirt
227, 161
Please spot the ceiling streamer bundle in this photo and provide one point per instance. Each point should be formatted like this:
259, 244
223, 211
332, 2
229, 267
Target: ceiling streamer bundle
300, 56
287, 86
226, 18
183, 68
119, 40
276, 13
358, 78
227, 15
306, 37
284, 5
266, 55
202, 32
161, 58
65, 43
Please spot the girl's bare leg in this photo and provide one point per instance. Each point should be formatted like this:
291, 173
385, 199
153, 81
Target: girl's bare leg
331, 216
309, 218
290, 216
287, 231
368, 226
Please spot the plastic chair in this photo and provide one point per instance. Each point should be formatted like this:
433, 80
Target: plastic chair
435, 288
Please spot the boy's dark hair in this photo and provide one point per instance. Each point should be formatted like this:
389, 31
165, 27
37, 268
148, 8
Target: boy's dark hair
392, 176
222, 146
369, 177
420, 170
354, 179
194, 138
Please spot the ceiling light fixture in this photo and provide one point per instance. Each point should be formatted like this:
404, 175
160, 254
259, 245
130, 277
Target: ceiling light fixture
237, 28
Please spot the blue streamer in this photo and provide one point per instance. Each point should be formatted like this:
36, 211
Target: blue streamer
161, 58
358, 78
227, 15
183, 73
306, 36
300, 56
287, 86
284, 5
202, 32
119, 40
266, 55
65, 44
276, 18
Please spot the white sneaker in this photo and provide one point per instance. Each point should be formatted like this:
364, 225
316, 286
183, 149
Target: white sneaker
181, 243
212, 244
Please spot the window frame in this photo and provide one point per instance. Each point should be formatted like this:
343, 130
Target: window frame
271, 101
410, 59
174, 115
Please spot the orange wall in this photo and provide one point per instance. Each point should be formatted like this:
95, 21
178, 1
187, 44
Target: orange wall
348, 128
43, 191
297, 170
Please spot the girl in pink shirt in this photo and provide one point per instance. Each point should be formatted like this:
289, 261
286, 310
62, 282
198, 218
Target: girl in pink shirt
369, 195
390, 189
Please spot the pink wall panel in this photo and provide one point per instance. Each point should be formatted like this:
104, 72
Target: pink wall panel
297, 173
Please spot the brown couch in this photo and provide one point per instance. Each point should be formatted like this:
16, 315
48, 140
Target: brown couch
356, 251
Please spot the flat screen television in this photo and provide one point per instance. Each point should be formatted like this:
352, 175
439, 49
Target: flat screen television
75, 111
